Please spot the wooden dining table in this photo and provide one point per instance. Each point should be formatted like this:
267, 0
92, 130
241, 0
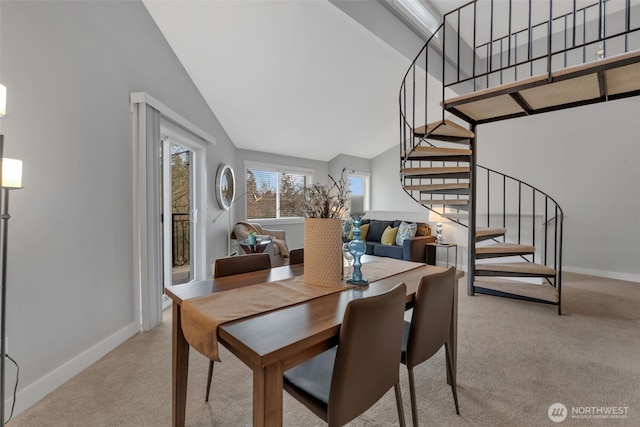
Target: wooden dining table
272, 342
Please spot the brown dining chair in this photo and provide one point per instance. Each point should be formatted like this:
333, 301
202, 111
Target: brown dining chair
296, 256
241, 264
344, 381
429, 329
228, 266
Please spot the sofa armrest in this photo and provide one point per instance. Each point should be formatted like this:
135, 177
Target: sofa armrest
414, 249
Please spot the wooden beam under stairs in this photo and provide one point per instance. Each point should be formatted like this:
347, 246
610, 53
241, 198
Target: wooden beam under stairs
597, 81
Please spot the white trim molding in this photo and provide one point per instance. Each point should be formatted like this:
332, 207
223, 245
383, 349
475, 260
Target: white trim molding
170, 115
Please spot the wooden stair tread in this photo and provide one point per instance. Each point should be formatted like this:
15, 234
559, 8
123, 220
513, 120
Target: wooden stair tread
505, 248
595, 81
525, 268
448, 202
489, 233
481, 232
437, 187
438, 151
543, 292
434, 171
455, 216
445, 128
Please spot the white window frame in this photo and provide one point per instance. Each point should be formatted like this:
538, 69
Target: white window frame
270, 167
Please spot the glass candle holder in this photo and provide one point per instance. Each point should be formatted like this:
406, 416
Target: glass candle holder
357, 248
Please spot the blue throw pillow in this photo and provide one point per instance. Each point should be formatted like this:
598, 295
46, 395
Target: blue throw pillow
405, 231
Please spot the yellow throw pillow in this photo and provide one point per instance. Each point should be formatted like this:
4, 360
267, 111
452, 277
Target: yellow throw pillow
363, 232
389, 236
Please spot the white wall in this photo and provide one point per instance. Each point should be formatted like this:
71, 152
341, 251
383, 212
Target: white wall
588, 160
69, 68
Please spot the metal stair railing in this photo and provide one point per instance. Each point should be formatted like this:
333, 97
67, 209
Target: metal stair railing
531, 216
466, 68
486, 56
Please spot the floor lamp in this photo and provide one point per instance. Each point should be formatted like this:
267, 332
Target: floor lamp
11, 170
11, 173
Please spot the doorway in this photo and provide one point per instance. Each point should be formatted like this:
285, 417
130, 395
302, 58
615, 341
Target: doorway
152, 123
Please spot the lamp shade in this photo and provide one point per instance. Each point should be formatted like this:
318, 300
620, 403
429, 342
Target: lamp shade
3, 100
11, 173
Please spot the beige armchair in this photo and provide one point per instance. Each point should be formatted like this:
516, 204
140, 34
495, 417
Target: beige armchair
277, 249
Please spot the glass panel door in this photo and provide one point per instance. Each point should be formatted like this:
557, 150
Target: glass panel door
178, 207
181, 208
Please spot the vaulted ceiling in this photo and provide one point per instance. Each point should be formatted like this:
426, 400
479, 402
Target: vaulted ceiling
298, 78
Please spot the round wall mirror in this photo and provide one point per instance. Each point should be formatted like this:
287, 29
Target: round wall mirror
225, 186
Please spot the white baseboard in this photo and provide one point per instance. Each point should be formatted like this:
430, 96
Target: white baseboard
603, 273
35, 391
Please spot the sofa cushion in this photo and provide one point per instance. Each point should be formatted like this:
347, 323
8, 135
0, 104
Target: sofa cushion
376, 228
389, 236
392, 251
371, 247
405, 231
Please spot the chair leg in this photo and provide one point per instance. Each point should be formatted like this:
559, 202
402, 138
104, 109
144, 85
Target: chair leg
206, 398
452, 376
412, 392
399, 404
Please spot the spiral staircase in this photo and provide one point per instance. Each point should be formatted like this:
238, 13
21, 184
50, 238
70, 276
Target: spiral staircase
496, 64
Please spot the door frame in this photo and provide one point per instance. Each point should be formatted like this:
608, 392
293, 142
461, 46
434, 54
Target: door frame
147, 246
198, 202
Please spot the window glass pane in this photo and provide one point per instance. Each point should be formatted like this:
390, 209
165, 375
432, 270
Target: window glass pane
356, 185
275, 193
261, 193
292, 187
359, 186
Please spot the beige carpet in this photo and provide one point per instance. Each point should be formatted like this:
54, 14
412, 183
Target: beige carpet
515, 360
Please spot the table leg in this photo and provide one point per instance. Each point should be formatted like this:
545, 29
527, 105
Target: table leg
267, 396
179, 370
453, 335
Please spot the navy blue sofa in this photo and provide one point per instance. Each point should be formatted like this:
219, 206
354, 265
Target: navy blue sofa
413, 249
